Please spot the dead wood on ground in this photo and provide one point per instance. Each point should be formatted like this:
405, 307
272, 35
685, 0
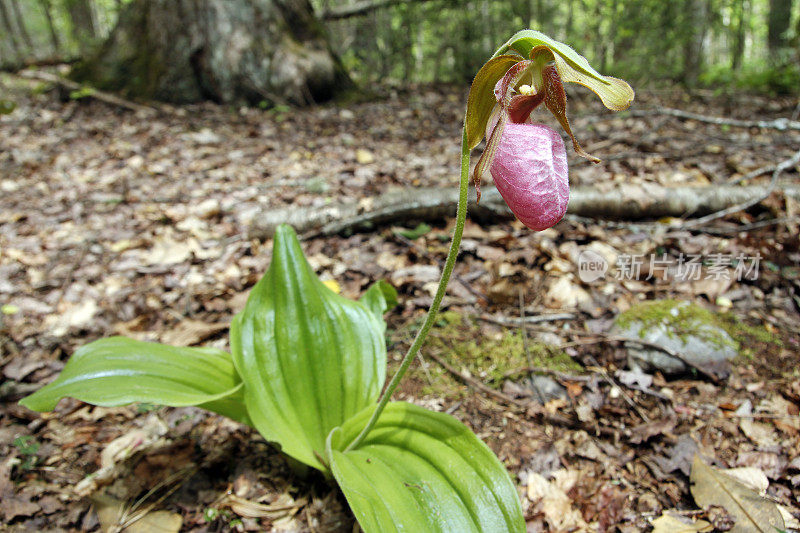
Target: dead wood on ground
426, 204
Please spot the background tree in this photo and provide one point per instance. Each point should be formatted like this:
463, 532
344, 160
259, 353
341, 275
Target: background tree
82, 19
179, 51
716, 43
780, 19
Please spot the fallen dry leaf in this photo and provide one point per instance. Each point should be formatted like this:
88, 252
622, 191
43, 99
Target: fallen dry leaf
116, 515
670, 523
189, 332
553, 503
752, 512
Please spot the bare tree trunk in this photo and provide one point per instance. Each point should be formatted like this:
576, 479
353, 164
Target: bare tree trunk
738, 42
47, 9
223, 50
778, 20
5, 19
696, 12
81, 16
23, 31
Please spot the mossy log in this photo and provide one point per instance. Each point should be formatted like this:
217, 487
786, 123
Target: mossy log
227, 51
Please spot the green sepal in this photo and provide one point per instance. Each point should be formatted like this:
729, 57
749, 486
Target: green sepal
481, 99
419, 470
615, 93
118, 371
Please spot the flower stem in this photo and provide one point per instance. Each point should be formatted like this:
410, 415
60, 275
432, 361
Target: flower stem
455, 244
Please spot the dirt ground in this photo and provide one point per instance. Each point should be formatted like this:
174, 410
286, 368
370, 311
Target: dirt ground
112, 222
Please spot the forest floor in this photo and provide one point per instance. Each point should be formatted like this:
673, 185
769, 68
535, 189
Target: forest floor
112, 222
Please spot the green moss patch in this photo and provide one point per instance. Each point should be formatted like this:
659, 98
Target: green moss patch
460, 341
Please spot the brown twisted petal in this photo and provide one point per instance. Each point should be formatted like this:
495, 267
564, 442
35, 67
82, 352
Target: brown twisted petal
556, 102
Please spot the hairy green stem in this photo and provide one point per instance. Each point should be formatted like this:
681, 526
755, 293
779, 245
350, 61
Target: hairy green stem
455, 244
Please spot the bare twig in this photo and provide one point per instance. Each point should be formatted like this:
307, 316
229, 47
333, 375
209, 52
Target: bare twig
544, 370
780, 124
524, 333
508, 400
36, 63
472, 382
613, 383
358, 9
792, 161
526, 320
767, 168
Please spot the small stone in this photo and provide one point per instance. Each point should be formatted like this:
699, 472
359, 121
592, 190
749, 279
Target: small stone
208, 208
547, 387
364, 157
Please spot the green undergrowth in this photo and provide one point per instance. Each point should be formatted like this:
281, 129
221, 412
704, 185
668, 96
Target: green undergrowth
490, 359
752, 339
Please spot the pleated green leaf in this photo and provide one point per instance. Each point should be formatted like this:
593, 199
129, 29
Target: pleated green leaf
119, 371
418, 470
310, 359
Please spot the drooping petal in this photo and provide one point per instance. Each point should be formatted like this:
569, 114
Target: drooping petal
497, 124
530, 171
556, 102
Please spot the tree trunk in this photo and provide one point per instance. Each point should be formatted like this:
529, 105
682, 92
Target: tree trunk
5, 20
47, 9
738, 41
696, 13
779, 18
81, 16
223, 50
23, 31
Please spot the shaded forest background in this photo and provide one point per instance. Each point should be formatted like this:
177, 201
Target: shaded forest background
752, 44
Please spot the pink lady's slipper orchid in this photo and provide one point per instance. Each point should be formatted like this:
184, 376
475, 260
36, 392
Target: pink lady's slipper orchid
530, 172
528, 161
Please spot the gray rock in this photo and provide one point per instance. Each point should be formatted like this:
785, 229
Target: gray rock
683, 330
549, 388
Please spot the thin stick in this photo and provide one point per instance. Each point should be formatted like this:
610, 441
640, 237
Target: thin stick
780, 124
524, 333
516, 322
795, 159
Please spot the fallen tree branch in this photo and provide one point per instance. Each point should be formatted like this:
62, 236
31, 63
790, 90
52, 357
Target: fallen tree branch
781, 124
92, 93
629, 202
14, 67
360, 9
